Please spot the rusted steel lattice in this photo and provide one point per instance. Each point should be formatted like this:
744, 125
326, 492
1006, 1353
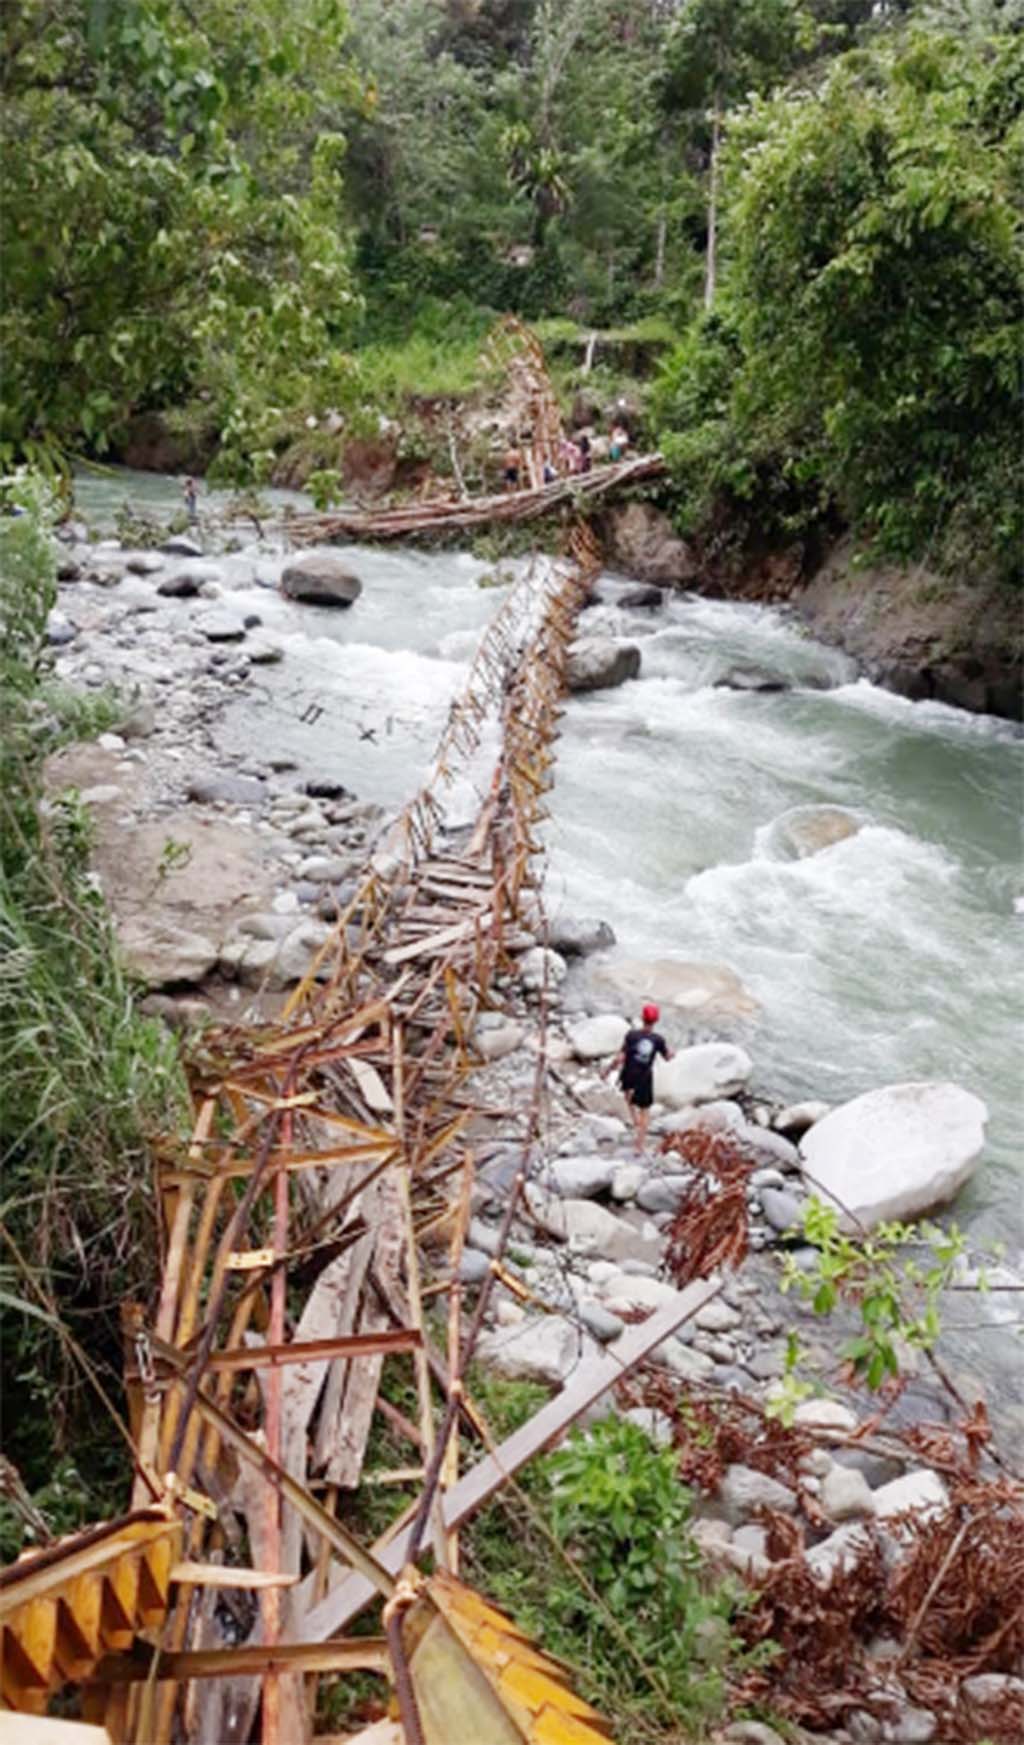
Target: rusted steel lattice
330, 1158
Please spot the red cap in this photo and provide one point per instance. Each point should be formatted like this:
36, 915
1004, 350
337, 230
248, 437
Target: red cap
651, 1014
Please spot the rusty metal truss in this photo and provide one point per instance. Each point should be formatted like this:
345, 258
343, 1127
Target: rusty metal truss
329, 1165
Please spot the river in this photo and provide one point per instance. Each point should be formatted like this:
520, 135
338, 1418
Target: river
892, 954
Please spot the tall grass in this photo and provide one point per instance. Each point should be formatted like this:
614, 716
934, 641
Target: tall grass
87, 1081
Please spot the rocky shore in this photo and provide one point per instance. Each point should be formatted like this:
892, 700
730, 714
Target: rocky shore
224, 878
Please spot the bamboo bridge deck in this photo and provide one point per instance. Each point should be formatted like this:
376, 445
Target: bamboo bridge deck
330, 1162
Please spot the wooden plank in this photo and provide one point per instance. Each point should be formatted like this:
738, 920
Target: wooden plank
436, 942
314, 1350
593, 1378
363, 1654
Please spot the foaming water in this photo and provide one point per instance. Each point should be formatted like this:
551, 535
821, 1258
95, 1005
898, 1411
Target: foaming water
890, 954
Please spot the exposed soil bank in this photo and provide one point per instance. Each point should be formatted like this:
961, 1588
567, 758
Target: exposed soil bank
915, 632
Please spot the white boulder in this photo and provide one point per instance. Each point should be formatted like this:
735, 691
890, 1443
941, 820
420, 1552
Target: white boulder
701, 1074
545, 1349
920, 1492
539, 967
895, 1152
595, 1038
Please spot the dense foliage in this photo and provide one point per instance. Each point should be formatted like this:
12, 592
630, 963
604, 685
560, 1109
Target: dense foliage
246, 216
865, 349
86, 1079
173, 207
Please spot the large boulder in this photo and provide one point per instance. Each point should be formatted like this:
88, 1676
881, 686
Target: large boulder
576, 935
895, 1152
806, 830
547, 1349
703, 990
701, 1074
320, 578
644, 544
599, 664
596, 1038
164, 955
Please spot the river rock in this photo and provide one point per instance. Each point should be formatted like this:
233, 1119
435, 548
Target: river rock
474, 1267
751, 678
638, 599
595, 1038
320, 578
663, 1193
628, 1179
497, 1040
643, 543
795, 1120
656, 1426
626, 1292
263, 652
783, 1211
579, 1178
720, 1116
143, 563
895, 1152
164, 955
221, 627
846, 1495
718, 1316
599, 1321
701, 1074
920, 1492
140, 720
807, 830
226, 790
842, 1550
743, 1491
825, 1415
698, 990
540, 965
687, 1365
181, 545
578, 935
185, 583
543, 1350
599, 664
768, 1149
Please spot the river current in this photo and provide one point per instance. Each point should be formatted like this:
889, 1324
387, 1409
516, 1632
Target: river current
892, 954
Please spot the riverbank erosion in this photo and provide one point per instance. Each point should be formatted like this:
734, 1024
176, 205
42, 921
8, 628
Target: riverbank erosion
923, 635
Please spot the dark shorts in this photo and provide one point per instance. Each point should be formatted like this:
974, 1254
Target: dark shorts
638, 1088
511, 475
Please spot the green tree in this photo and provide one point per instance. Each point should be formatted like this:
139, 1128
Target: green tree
173, 211
870, 306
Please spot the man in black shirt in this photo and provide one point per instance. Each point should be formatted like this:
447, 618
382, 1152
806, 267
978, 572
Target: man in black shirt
635, 1064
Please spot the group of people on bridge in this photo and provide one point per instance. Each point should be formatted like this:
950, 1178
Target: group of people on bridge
575, 454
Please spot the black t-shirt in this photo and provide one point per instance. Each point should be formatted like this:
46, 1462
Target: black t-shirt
640, 1048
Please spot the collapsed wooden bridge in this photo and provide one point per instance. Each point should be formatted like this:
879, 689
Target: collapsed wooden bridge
331, 1161
516, 352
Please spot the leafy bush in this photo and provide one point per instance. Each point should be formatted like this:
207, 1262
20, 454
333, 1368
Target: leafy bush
866, 348
86, 1079
627, 1603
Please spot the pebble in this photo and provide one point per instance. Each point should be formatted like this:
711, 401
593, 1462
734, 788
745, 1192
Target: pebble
718, 1317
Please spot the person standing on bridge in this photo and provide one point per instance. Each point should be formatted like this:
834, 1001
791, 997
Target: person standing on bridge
635, 1066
